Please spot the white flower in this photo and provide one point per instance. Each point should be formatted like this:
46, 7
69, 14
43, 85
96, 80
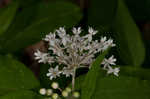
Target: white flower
62, 34
41, 57
103, 39
107, 66
110, 43
53, 72
110, 61
66, 71
76, 31
91, 33
115, 71
50, 38
61, 31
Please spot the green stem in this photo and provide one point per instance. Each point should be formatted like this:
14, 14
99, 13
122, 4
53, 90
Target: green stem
73, 79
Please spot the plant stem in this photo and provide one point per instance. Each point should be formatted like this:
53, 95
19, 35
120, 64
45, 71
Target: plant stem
73, 79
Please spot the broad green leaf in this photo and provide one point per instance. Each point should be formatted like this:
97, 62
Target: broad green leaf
135, 72
127, 35
129, 43
48, 16
88, 85
130, 81
123, 87
7, 15
101, 13
78, 82
22, 20
139, 9
21, 95
15, 76
129, 71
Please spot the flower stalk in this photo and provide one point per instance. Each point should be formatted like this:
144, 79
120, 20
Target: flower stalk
73, 79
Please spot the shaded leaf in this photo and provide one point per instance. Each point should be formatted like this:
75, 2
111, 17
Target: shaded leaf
48, 17
121, 88
131, 83
21, 95
15, 76
140, 73
130, 46
88, 85
101, 13
139, 9
7, 15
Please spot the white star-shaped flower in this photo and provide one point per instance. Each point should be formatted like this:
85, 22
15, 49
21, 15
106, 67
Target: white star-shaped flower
91, 33
62, 34
76, 31
53, 72
41, 57
115, 71
103, 39
110, 61
110, 43
50, 38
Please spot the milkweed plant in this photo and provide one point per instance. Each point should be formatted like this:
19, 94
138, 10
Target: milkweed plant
70, 52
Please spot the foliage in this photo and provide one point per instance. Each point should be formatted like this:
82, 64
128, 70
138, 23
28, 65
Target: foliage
15, 76
23, 23
91, 78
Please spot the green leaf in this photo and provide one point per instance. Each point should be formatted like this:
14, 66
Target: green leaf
21, 95
7, 15
88, 85
131, 83
129, 43
48, 16
121, 88
115, 15
22, 20
15, 76
139, 9
101, 13
135, 72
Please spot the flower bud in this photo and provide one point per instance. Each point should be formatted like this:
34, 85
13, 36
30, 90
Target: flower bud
42, 91
76, 94
55, 85
49, 92
65, 94
55, 96
68, 89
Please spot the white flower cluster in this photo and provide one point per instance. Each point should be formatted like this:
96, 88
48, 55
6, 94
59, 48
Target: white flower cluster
72, 51
107, 66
